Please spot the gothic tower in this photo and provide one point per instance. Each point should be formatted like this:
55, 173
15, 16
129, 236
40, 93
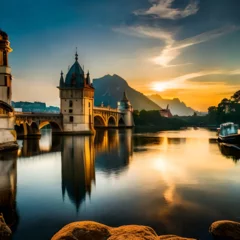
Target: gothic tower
77, 100
5, 70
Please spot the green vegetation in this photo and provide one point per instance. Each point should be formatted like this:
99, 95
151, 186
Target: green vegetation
153, 119
228, 110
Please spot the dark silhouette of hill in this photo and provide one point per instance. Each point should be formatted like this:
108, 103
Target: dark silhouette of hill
109, 89
176, 106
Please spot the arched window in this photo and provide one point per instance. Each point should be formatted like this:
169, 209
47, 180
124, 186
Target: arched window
89, 104
70, 103
71, 119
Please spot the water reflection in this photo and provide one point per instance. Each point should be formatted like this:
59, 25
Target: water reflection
113, 150
78, 170
230, 151
35, 146
167, 180
8, 187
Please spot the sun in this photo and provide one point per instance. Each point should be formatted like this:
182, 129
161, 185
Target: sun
159, 87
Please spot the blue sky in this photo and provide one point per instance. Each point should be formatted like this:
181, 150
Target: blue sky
176, 48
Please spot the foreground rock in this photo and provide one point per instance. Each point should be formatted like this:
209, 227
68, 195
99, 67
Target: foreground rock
88, 230
173, 237
5, 231
225, 230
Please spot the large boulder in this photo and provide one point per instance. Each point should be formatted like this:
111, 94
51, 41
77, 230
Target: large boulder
85, 230
5, 231
225, 229
133, 232
173, 237
88, 230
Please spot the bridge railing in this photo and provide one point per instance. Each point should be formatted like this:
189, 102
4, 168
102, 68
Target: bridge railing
35, 114
107, 109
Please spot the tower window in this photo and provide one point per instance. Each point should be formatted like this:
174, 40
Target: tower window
70, 103
71, 119
89, 104
1, 58
4, 58
70, 110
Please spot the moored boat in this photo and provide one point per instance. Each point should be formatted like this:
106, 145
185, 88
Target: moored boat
228, 133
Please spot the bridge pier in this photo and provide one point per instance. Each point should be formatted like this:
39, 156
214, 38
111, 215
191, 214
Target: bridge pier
24, 130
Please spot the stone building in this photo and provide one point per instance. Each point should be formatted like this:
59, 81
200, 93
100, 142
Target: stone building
166, 112
76, 100
7, 120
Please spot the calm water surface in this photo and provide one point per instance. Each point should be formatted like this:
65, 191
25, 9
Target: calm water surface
177, 182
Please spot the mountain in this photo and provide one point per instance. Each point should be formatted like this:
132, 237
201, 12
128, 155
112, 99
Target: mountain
109, 90
175, 105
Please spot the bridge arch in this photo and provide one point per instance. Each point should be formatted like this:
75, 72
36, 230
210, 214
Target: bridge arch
121, 122
112, 122
99, 121
54, 126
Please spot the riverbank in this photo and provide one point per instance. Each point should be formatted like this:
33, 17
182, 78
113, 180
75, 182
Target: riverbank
86, 230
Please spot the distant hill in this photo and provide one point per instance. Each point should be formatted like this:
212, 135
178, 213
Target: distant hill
109, 89
34, 107
176, 106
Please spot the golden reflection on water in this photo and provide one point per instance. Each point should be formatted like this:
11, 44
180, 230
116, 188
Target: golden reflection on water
183, 159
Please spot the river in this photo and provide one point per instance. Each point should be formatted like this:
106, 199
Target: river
177, 182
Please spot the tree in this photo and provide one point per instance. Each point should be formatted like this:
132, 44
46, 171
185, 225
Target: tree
236, 97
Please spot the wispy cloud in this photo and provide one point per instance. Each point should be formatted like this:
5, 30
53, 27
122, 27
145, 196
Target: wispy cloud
180, 82
173, 48
163, 9
149, 32
172, 51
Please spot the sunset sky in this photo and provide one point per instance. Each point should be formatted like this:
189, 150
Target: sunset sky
177, 48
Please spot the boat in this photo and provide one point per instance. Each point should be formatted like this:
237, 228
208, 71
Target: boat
228, 133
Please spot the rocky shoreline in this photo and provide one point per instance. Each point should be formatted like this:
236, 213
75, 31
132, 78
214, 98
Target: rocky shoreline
89, 230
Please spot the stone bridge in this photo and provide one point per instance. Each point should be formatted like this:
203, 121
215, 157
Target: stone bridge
29, 124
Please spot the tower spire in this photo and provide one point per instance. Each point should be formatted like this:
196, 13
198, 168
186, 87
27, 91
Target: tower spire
124, 96
76, 55
61, 83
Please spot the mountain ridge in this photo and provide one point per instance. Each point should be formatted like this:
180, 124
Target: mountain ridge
176, 106
109, 90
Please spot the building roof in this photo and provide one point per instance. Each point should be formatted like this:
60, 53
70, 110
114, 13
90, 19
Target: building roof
3, 35
75, 76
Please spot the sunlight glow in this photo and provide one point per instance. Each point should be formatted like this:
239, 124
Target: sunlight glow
162, 86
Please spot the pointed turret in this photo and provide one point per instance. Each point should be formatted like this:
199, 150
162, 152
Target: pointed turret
88, 81
124, 104
125, 99
61, 83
